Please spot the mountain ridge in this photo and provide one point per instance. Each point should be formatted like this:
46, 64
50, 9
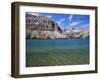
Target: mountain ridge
42, 27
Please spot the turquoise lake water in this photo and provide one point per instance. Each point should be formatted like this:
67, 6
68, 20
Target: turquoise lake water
40, 52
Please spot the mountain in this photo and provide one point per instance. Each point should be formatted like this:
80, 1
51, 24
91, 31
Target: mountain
42, 27
76, 33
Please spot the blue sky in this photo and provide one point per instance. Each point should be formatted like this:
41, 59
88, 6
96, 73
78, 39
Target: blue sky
68, 20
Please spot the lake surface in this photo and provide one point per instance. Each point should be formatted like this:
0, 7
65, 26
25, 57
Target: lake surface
53, 52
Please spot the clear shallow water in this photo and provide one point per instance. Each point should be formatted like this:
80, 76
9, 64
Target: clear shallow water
48, 52
57, 42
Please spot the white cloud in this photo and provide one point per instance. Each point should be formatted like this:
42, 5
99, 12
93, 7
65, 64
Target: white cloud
74, 23
70, 18
60, 21
85, 26
49, 16
79, 25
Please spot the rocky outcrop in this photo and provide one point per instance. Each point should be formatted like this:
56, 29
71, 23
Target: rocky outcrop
45, 28
76, 33
42, 27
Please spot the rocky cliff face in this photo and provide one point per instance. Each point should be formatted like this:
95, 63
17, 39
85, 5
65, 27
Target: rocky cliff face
46, 28
76, 33
42, 27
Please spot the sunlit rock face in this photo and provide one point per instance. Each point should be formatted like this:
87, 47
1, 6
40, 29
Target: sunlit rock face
40, 23
42, 27
76, 33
